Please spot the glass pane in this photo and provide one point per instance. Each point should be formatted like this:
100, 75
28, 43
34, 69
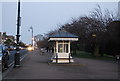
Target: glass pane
60, 48
66, 48
63, 48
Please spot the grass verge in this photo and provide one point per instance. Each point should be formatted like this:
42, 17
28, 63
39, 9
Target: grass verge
82, 54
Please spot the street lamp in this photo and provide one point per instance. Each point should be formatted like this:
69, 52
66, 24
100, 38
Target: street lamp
17, 54
32, 39
93, 35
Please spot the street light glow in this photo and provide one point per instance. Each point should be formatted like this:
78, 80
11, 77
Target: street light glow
94, 35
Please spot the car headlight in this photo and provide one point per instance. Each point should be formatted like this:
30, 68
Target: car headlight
30, 48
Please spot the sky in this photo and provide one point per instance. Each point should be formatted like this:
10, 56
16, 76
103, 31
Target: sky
44, 16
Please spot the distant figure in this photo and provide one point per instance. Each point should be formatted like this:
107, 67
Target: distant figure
47, 49
52, 50
43, 51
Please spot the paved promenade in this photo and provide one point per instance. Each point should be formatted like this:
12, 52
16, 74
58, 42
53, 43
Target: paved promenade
36, 66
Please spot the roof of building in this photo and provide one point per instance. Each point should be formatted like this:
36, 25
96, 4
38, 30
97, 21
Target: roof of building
63, 34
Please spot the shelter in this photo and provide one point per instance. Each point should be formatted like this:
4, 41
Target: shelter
62, 40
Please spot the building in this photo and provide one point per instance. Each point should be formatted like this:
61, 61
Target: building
118, 15
0, 37
4, 37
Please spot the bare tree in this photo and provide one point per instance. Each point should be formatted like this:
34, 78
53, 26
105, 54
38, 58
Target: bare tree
91, 30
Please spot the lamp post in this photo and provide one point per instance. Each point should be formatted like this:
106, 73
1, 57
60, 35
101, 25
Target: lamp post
17, 54
96, 45
32, 39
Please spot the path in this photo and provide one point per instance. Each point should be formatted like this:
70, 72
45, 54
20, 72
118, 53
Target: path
35, 66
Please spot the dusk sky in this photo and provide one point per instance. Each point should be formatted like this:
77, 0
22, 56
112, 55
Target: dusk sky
45, 16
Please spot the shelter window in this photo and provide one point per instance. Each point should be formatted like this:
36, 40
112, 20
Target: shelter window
63, 48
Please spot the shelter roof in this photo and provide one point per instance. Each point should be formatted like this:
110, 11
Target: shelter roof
63, 34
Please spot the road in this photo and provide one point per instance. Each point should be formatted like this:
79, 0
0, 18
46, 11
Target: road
12, 54
11, 61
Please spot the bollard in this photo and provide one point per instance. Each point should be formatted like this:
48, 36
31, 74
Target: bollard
117, 57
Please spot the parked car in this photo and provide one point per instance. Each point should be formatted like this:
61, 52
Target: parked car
4, 57
20, 48
10, 48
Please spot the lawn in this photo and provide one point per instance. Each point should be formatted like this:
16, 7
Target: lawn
82, 54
